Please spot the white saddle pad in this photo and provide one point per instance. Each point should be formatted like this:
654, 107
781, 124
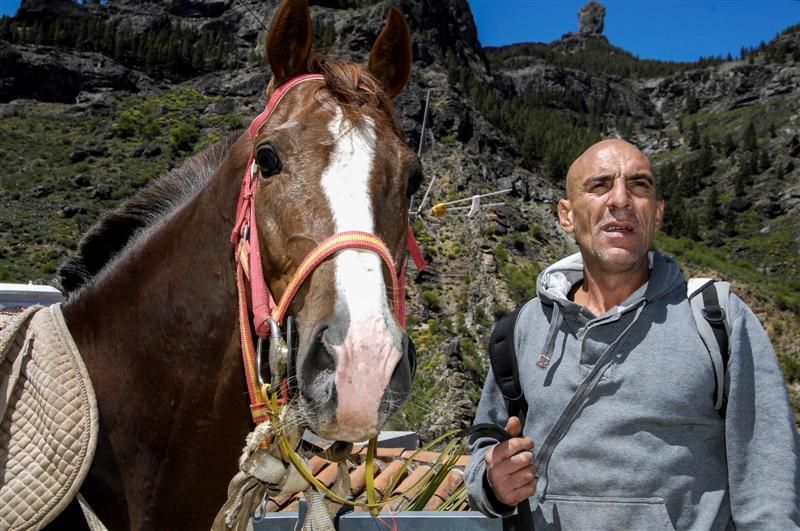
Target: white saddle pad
48, 419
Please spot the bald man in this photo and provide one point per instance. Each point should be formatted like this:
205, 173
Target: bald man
621, 430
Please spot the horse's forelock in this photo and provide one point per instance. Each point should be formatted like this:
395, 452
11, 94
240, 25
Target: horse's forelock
357, 92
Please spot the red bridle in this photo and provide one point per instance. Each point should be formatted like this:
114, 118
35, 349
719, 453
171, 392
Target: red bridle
268, 316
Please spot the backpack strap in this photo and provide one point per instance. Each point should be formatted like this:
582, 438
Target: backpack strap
710, 312
503, 357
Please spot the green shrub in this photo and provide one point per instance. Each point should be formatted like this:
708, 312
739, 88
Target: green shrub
480, 316
431, 299
182, 137
791, 368
131, 122
522, 282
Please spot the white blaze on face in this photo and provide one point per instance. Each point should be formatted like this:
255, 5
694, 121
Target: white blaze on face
367, 358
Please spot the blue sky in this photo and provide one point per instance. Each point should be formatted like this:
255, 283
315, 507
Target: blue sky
678, 30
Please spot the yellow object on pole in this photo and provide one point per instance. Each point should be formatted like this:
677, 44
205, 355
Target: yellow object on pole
439, 210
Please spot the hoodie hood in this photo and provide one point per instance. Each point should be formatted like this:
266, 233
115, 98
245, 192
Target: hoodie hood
555, 282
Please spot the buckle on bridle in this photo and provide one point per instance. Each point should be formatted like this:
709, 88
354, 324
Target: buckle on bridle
279, 349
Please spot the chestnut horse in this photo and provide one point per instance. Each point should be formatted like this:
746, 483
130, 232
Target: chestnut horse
152, 299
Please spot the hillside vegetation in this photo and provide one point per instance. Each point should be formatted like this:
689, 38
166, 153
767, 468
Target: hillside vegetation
724, 135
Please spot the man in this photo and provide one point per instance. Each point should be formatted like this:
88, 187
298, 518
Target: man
620, 387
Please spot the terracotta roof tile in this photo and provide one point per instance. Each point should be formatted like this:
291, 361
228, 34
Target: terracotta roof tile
389, 463
358, 478
389, 476
328, 474
409, 488
453, 480
317, 463
388, 453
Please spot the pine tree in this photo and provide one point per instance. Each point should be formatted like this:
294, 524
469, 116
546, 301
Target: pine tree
763, 161
749, 141
691, 227
739, 184
729, 222
712, 212
694, 136
108, 38
705, 162
667, 181
752, 166
689, 180
674, 217
728, 145
692, 105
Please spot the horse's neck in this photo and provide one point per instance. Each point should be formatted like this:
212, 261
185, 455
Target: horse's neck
159, 336
167, 296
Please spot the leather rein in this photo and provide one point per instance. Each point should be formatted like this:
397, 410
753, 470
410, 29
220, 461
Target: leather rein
268, 317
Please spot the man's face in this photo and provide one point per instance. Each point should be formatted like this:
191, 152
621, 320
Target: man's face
611, 206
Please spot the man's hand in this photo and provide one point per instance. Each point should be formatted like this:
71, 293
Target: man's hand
509, 466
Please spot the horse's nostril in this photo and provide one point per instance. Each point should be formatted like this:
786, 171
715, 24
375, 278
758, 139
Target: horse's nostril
411, 352
318, 360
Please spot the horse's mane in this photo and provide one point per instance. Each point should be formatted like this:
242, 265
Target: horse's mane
118, 227
356, 91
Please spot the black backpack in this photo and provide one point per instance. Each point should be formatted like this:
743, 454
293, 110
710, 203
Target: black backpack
710, 311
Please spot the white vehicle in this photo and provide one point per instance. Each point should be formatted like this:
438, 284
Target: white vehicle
21, 295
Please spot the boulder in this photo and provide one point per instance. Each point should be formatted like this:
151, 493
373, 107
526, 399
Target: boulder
198, 8
81, 181
43, 190
148, 150
102, 191
58, 75
740, 204
69, 211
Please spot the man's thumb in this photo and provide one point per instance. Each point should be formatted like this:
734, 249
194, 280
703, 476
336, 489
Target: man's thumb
514, 427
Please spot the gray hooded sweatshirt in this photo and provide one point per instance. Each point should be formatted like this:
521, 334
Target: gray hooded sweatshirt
623, 421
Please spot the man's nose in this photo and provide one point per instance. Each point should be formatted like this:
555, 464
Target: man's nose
619, 195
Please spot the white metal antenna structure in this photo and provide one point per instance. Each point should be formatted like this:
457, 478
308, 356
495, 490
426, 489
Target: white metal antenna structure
440, 209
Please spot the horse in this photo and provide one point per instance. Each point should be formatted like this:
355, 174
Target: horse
152, 290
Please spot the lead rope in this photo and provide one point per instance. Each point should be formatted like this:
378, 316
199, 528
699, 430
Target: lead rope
92, 520
280, 470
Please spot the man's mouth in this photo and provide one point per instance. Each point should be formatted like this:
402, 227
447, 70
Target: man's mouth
618, 228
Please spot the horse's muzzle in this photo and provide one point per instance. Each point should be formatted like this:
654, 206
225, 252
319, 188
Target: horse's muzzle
352, 381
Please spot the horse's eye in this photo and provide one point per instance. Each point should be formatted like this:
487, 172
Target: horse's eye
268, 161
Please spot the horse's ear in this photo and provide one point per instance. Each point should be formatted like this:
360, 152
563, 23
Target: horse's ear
289, 41
390, 58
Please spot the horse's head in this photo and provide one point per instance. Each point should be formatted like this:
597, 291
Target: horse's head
331, 158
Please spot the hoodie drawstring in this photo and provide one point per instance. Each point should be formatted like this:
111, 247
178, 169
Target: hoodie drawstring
547, 350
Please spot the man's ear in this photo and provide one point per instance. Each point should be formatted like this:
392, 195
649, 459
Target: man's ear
659, 214
565, 215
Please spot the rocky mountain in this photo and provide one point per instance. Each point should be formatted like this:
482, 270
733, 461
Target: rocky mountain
98, 99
